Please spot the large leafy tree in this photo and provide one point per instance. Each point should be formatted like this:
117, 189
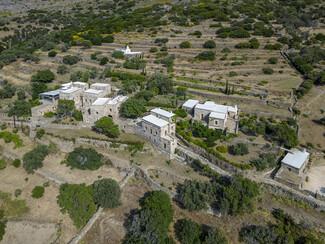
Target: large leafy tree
133, 108
43, 76
37, 88
106, 125
65, 108
150, 224
107, 193
33, 159
78, 201
84, 158
162, 82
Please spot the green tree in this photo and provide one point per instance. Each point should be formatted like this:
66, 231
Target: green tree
103, 61
45, 76
33, 159
78, 201
206, 56
21, 94
107, 193
188, 232
133, 108
37, 88
62, 69
162, 82
84, 158
185, 44
65, 108
118, 55
38, 192
240, 149
209, 44
215, 236
70, 60
106, 125
52, 54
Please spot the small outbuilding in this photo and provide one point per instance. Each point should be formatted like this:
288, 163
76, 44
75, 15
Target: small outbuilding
295, 161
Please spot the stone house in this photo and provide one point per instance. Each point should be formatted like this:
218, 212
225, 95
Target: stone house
295, 161
160, 131
103, 107
93, 102
215, 116
292, 171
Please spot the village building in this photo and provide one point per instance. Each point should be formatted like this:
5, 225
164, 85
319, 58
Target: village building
159, 129
127, 51
293, 168
94, 101
215, 116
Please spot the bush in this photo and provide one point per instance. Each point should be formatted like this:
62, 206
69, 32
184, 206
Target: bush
118, 55
180, 113
52, 53
240, 149
70, 60
106, 125
33, 159
272, 61
266, 161
62, 69
18, 192
185, 44
38, 192
107, 193
16, 163
84, 158
3, 164
206, 55
222, 149
133, 108
103, 61
40, 133
78, 201
162, 82
276, 46
209, 44
153, 50
267, 71
45, 76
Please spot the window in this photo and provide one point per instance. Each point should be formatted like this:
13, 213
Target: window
150, 131
216, 122
165, 132
146, 128
201, 116
289, 169
165, 145
156, 133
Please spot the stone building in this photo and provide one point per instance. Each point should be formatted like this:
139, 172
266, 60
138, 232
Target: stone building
295, 161
293, 168
215, 116
93, 102
103, 107
159, 129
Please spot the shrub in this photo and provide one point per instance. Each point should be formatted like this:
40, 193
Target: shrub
103, 61
276, 46
153, 50
40, 133
209, 44
225, 50
272, 60
206, 55
70, 60
62, 69
185, 44
52, 53
240, 149
16, 163
118, 55
222, 149
38, 192
107, 193
267, 71
180, 113
3, 164
84, 158
18, 192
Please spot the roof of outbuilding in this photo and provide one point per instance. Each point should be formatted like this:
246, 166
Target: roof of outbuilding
190, 103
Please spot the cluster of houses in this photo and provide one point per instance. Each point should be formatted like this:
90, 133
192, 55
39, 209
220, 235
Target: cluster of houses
94, 102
